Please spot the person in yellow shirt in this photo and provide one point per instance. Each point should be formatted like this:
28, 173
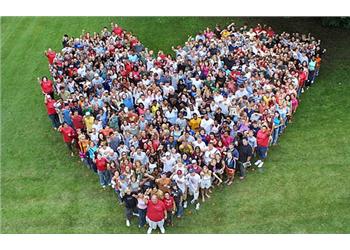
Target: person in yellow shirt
154, 107
195, 122
89, 121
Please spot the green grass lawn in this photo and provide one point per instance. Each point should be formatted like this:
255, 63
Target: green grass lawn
305, 187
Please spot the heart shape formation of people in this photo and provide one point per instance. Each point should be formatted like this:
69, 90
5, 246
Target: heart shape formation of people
163, 131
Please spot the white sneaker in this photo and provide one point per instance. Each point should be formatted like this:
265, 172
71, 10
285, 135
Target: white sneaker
197, 206
261, 164
192, 201
135, 214
127, 223
162, 230
149, 231
185, 204
257, 162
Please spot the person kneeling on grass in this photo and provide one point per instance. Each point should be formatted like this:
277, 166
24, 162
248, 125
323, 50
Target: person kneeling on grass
156, 214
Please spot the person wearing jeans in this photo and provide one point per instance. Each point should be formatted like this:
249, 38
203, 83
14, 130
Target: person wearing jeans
142, 209
51, 111
277, 126
263, 138
101, 165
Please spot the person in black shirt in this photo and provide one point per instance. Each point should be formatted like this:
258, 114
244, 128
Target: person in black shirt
130, 202
245, 154
178, 198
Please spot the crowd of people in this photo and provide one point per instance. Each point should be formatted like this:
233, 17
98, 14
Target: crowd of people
164, 131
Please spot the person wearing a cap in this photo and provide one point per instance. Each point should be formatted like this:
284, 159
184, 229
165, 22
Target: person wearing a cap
156, 214
168, 162
89, 121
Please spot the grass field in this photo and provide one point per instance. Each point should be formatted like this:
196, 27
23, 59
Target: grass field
305, 187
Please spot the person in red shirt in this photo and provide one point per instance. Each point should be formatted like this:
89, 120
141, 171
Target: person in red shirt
170, 207
263, 139
77, 121
51, 111
50, 54
117, 29
46, 86
68, 134
101, 165
156, 214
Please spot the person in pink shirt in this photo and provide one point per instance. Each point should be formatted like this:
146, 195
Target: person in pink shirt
226, 139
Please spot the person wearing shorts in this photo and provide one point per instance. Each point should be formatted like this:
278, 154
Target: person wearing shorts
156, 214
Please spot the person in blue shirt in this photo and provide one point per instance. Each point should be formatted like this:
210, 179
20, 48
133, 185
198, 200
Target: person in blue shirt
67, 115
90, 156
277, 123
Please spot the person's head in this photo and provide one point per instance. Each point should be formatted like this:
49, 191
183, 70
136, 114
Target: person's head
245, 141
166, 195
154, 198
192, 172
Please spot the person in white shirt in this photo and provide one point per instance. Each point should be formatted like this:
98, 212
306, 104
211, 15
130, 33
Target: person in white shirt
168, 162
193, 181
141, 156
197, 82
207, 123
199, 143
105, 150
180, 180
211, 151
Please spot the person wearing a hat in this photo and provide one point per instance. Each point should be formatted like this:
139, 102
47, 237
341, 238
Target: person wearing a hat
89, 121
168, 163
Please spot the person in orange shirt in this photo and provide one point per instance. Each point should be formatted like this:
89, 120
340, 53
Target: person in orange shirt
318, 64
107, 131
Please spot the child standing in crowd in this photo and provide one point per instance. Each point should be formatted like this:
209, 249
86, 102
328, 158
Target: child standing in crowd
163, 131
